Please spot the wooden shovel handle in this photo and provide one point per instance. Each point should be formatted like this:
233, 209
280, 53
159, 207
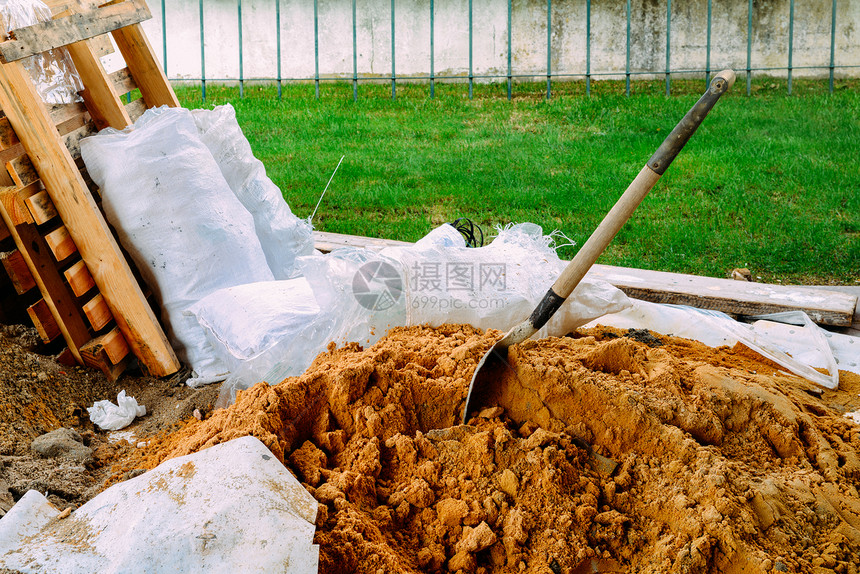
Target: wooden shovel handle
627, 203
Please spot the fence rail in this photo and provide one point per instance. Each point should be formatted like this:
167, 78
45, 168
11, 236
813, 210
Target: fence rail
828, 61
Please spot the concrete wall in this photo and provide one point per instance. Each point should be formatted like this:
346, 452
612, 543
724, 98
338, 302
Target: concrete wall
770, 37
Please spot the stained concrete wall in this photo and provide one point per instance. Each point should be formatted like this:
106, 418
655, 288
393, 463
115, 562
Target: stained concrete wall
688, 41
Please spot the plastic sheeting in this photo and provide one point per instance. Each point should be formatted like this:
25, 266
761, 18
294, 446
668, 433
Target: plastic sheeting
230, 508
52, 72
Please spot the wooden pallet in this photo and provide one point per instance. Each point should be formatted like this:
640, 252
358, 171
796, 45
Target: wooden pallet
63, 246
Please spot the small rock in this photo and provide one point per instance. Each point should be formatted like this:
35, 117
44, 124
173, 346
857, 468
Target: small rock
62, 443
477, 539
462, 561
741, 274
451, 511
508, 483
491, 412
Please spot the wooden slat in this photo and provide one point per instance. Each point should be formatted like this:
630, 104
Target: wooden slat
79, 279
62, 113
72, 28
17, 270
60, 243
123, 83
326, 241
729, 296
99, 94
22, 171
44, 321
145, 68
90, 232
8, 137
136, 108
97, 312
41, 207
72, 140
14, 208
4, 231
113, 344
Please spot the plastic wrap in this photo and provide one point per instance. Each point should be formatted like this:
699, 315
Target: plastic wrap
109, 416
282, 235
714, 328
53, 72
177, 217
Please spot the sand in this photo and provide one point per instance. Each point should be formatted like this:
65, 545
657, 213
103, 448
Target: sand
724, 464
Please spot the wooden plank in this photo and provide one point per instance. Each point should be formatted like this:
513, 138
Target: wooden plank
79, 279
22, 171
4, 231
16, 210
72, 140
123, 83
99, 94
136, 108
72, 28
97, 312
41, 207
8, 137
17, 270
145, 68
327, 241
113, 344
62, 113
729, 296
90, 232
44, 321
61, 243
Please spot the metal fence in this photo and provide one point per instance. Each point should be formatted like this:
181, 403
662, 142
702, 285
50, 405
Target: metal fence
588, 74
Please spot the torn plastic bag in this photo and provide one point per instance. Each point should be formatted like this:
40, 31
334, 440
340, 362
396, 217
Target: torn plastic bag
109, 416
52, 72
362, 294
282, 235
229, 508
174, 213
714, 329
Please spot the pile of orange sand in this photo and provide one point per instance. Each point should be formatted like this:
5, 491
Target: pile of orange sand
724, 463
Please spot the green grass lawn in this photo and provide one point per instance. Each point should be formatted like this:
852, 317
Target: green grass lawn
770, 182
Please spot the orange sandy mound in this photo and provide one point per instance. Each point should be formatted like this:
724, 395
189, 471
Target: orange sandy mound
725, 464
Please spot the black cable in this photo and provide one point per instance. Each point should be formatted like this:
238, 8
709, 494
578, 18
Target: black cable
471, 232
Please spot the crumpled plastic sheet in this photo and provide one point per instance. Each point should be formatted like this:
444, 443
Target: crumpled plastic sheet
109, 416
53, 72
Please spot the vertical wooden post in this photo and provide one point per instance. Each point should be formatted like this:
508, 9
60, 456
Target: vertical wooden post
41, 141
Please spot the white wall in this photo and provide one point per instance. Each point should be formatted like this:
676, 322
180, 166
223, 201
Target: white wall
490, 44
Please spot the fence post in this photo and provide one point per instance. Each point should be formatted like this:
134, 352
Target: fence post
669, 45
510, 74
588, 47
278, 43
202, 56
708, 50
241, 63
432, 49
790, 40
548, 49
749, 46
627, 60
393, 73
354, 53
316, 49
470, 50
832, 42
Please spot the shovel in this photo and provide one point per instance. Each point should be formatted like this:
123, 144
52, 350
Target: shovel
488, 373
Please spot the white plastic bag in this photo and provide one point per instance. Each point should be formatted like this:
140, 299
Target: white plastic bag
229, 508
714, 328
439, 280
109, 416
174, 213
254, 326
282, 235
52, 72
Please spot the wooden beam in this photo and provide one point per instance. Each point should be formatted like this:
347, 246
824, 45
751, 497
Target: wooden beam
84, 221
99, 94
112, 343
123, 83
4, 232
79, 279
729, 296
17, 270
72, 28
44, 321
61, 244
145, 68
97, 312
41, 207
